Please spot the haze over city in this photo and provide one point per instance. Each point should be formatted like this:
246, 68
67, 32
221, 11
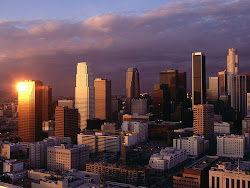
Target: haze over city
45, 40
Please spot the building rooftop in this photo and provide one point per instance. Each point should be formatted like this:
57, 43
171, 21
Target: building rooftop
239, 167
232, 136
202, 163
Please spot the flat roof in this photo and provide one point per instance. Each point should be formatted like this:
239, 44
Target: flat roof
202, 163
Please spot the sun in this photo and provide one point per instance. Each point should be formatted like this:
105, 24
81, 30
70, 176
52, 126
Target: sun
21, 86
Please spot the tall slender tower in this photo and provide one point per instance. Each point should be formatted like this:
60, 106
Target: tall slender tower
30, 110
222, 82
132, 85
232, 68
198, 78
47, 103
84, 94
102, 99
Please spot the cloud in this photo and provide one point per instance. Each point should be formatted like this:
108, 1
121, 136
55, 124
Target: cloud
155, 40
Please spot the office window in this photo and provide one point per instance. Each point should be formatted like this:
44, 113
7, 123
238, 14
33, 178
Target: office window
218, 182
232, 183
243, 184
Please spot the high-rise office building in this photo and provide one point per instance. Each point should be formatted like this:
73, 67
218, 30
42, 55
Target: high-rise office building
213, 91
47, 103
248, 81
84, 93
198, 78
132, 86
182, 84
160, 101
170, 78
102, 99
30, 110
66, 122
232, 68
222, 82
203, 120
239, 94
176, 82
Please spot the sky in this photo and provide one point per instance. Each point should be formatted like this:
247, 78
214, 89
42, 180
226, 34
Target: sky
44, 40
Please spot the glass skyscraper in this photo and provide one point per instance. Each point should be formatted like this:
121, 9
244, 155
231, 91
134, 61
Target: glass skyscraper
84, 94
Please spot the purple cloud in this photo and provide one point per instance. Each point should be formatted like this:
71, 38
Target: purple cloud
158, 39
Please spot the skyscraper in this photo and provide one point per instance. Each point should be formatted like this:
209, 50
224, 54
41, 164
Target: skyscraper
176, 82
30, 110
198, 78
213, 91
239, 94
84, 94
66, 122
222, 82
102, 99
232, 69
203, 120
47, 103
132, 86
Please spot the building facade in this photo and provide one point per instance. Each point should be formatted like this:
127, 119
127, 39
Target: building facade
132, 86
66, 122
102, 99
222, 82
167, 158
30, 110
203, 122
85, 93
46, 103
38, 150
232, 69
194, 145
198, 78
100, 142
117, 173
229, 175
195, 175
62, 158
139, 106
213, 91
141, 128
231, 146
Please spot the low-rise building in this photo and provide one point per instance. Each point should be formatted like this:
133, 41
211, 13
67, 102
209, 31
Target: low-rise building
38, 150
49, 127
108, 127
14, 169
135, 117
116, 173
246, 125
194, 145
62, 158
100, 141
141, 128
226, 174
196, 175
232, 145
11, 150
70, 178
167, 158
221, 128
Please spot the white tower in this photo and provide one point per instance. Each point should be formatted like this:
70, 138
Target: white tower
84, 93
232, 70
